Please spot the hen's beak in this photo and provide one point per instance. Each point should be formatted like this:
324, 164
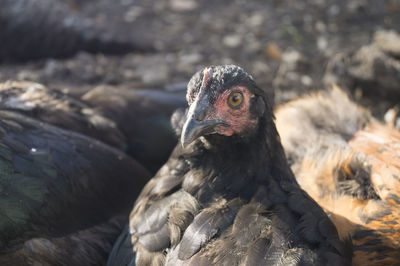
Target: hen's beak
197, 125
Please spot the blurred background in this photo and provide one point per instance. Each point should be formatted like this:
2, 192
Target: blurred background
290, 47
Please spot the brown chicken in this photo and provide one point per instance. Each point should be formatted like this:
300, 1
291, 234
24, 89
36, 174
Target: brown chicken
350, 164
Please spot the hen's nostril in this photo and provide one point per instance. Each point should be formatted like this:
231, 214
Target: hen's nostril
200, 116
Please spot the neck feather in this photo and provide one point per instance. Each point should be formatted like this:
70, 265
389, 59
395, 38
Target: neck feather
237, 166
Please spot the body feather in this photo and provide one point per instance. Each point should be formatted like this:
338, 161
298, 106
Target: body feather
349, 165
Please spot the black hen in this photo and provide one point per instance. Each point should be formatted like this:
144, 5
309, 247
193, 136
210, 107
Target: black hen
228, 196
135, 121
55, 182
104, 116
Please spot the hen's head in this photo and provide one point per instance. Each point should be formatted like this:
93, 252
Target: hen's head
223, 100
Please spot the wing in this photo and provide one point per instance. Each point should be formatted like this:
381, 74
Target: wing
58, 109
238, 233
161, 214
55, 182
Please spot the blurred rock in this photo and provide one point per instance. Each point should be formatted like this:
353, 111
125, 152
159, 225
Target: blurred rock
272, 51
260, 68
187, 62
232, 40
322, 43
183, 5
133, 13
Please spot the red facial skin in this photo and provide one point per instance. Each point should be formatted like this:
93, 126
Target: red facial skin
239, 119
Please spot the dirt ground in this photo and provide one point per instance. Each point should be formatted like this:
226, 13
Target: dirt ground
288, 46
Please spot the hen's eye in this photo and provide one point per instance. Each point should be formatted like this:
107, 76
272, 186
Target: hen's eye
235, 100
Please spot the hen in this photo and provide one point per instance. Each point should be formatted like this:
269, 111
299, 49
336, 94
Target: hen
62, 193
349, 163
54, 183
227, 196
135, 121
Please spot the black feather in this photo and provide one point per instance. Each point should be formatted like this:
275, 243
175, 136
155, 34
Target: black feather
122, 253
206, 225
258, 252
54, 182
